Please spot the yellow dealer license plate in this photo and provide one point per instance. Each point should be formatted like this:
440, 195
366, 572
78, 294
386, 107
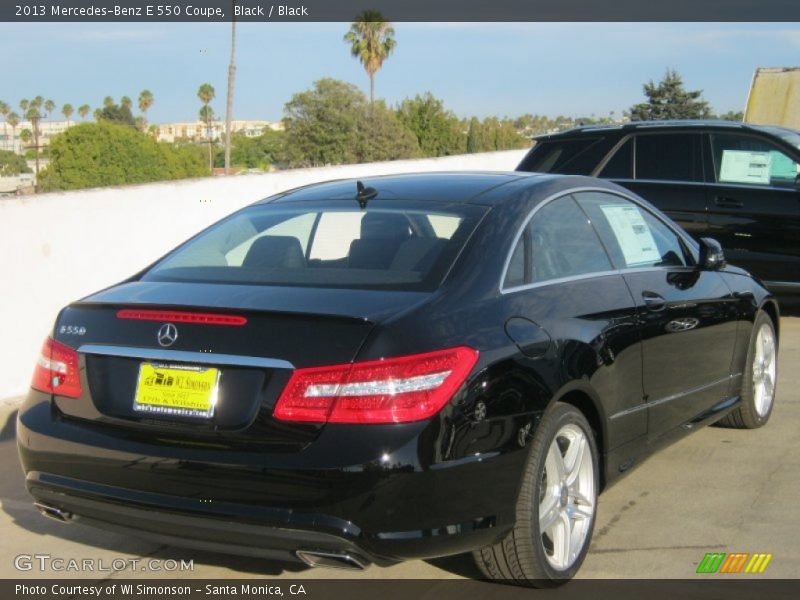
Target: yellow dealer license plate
176, 390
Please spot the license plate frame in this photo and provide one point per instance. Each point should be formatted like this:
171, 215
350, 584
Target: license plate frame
192, 391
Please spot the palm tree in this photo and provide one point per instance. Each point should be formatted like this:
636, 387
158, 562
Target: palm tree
25, 136
371, 40
23, 105
229, 102
34, 116
4, 110
145, 102
108, 101
98, 114
13, 120
126, 102
206, 93
83, 110
49, 107
67, 111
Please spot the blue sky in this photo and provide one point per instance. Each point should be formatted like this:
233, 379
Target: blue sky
476, 68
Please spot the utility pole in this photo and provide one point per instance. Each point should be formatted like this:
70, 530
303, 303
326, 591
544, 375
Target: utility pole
231, 81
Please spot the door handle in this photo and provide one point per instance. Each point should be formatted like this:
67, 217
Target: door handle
653, 301
728, 202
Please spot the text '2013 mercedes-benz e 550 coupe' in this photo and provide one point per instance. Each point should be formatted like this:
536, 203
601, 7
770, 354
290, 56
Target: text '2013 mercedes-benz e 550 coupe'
410, 367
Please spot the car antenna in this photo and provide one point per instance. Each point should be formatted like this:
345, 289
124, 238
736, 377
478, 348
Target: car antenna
364, 194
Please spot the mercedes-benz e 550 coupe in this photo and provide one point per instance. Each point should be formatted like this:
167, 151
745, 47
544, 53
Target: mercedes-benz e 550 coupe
406, 367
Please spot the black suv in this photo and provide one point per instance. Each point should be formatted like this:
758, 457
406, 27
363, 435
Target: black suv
734, 182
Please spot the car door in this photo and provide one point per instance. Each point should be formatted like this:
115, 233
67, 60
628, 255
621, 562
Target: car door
686, 316
665, 169
754, 206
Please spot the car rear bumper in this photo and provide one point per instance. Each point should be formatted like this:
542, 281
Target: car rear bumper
267, 505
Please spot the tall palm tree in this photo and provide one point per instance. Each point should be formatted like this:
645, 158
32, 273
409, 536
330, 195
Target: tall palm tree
83, 110
206, 94
67, 111
4, 110
145, 102
126, 102
49, 107
23, 104
34, 116
108, 101
371, 40
13, 120
229, 102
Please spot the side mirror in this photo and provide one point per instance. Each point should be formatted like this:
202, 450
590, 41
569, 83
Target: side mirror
712, 258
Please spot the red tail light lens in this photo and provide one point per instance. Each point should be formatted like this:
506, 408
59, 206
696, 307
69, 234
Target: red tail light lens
56, 370
395, 390
181, 317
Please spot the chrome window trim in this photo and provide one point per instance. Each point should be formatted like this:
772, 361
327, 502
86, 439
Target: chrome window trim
552, 198
185, 356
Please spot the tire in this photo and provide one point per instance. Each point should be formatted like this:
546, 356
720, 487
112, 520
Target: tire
526, 556
756, 405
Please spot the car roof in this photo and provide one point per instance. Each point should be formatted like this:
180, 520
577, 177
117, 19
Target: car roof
665, 125
457, 186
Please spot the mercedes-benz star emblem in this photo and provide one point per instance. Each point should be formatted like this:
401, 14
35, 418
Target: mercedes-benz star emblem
167, 334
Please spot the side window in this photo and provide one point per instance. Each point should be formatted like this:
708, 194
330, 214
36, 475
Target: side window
749, 160
560, 243
634, 237
620, 166
572, 157
668, 157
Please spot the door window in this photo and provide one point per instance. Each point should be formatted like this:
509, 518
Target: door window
668, 157
557, 242
749, 160
620, 166
634, 237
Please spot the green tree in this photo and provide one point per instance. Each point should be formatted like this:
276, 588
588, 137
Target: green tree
117, 114
26, 136
145, 102
108, 101
474, 136
383, 136
321, 124
371, 40
438, 131
732, 115
13, 120
106, 153
5, 109
83, 110
67, 111
126, 102
206, 94
98, 114
260, 152
12, 164
668, 99
49, 107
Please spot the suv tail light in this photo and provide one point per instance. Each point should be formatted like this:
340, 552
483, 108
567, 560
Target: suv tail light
56, 370
394, 390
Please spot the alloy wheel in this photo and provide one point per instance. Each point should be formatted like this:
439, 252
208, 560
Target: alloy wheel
764, 370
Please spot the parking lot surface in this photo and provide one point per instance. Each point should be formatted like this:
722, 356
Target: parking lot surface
718, 490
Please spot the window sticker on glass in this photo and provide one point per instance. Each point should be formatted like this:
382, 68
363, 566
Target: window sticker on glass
782, 167
634, 236
745, 166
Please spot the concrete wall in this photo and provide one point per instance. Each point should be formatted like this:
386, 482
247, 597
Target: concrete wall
56, 248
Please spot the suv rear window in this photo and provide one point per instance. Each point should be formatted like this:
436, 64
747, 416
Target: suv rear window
392, 246
578, 156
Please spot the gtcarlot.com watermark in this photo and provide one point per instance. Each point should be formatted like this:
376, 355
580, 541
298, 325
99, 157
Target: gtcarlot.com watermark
47, 563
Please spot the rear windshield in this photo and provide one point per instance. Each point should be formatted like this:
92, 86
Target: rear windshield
577, 156
393, 245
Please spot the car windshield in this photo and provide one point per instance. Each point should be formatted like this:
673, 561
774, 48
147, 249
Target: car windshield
393, 245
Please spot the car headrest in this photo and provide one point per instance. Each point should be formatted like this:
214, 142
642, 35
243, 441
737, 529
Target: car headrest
384, 225
275, 252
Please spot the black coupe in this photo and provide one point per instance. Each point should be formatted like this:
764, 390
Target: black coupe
409, 367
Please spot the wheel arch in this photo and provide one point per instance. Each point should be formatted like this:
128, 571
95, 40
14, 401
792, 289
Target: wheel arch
583, 397
770, 306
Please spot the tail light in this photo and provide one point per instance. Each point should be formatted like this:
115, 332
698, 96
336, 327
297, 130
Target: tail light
56, 370
394, 390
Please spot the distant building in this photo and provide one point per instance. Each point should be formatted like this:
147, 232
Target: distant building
47, 130
774, 97
196, 131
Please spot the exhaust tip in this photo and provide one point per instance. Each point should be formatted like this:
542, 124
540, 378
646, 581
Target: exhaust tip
332, 560
53, 512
